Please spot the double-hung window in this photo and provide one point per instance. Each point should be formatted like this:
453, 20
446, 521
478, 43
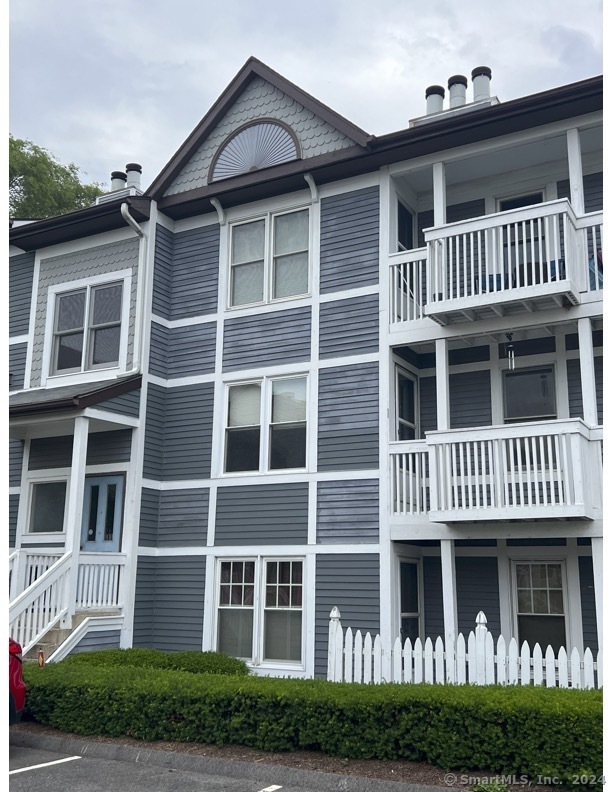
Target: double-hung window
259, 614
540, 609
269, 258
266, 425
87, 328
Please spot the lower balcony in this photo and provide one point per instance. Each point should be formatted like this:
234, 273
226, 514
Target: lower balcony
549, 470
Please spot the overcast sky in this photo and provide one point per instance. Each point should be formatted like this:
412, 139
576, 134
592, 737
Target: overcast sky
108, 82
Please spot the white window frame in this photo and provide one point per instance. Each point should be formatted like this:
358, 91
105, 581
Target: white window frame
259, 606
123, 277
565, 588
268, 258
265, 421
401, 371
418, 562
43, 477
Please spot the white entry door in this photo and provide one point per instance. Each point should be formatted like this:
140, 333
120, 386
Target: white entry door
102, 513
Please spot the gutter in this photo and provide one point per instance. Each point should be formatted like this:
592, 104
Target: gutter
140, 290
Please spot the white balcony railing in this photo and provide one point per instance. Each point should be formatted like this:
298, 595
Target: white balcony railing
531, 253
98, 580
540, 470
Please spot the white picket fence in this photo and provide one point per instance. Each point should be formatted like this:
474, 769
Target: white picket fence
478, 661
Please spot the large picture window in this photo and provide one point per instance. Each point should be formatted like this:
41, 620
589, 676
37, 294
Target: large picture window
269, 258
47, 507
260, 609
266, 425
87, 328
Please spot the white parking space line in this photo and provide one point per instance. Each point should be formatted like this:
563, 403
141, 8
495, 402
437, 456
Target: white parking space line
272, 788
48, 764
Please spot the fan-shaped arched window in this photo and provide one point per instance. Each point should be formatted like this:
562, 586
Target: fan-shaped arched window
258, 145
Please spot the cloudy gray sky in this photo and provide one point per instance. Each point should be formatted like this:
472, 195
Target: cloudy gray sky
108, 82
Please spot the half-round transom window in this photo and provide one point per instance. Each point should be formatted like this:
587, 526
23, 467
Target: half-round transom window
258, 145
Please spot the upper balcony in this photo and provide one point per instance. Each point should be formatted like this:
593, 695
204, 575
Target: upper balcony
503, 264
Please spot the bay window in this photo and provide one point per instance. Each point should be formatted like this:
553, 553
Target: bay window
269, 258
266, 425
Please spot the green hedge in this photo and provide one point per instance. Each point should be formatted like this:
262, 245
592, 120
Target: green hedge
502, 730
194, 662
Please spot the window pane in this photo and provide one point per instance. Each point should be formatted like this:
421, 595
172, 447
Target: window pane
48, 502
524, 601
106, 304
556, 601
249, 571
236, 632
405, 398
283, 635
69, 352
105, 346
289, 400
247, 283
554, 575
248, 242
291, 233
544, 630
70, 311
540, 601
93, 512
290, 275
244, 405
523, 578
224, 597
111, 501
409, 588
241, 450
287, 446
410, 628
530, 394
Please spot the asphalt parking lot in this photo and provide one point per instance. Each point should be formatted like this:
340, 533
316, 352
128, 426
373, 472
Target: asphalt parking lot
49, 764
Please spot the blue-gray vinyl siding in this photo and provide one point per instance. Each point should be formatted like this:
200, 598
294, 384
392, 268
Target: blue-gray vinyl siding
173, 518
348, 327
587, 603
454, 213
98, 639
162, 272
592, 185
17, 364
575, 390
275, 338
169, 603
186, 274
126, 404
262, 514
347, 512
182, 351
15, 462
470, 399
349, 240
178, 432
13, 504
21, 274
433, 612
102, 448
427, 405
348, 436
149, 517
351, 582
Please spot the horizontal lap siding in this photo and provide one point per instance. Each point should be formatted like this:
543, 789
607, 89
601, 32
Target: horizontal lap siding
158, 350
267, 514
470, 399
102, 448
162, 272
149, 517
182, 351
50, 452
347, 512
99, 639
592, 185
348, 417
17, 364
169, 603
574, 388
183, 518
178, 433
477, 583
349, 240
15, 462
271, 339
126, 404
432, 597
21, 274
427, 405
587, 603
13, 504
348, 327
350, 582
195, 272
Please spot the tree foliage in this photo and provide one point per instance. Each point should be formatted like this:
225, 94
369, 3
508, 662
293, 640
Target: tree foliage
41, 186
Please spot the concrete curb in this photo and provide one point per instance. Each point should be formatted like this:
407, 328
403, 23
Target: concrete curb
270, 774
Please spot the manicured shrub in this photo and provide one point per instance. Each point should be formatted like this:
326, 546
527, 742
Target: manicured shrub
502, 730
191, 661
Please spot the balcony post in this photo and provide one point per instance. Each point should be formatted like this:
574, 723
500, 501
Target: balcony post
442, 394
587, 371
574, 163
449, 602
597, 552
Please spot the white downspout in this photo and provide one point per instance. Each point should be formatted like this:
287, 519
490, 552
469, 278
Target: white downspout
140, 289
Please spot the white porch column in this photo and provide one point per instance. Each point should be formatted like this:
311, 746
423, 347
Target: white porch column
449, 591
598, 565
442, 393
74, 508
439, 193
574, 163
587, 372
